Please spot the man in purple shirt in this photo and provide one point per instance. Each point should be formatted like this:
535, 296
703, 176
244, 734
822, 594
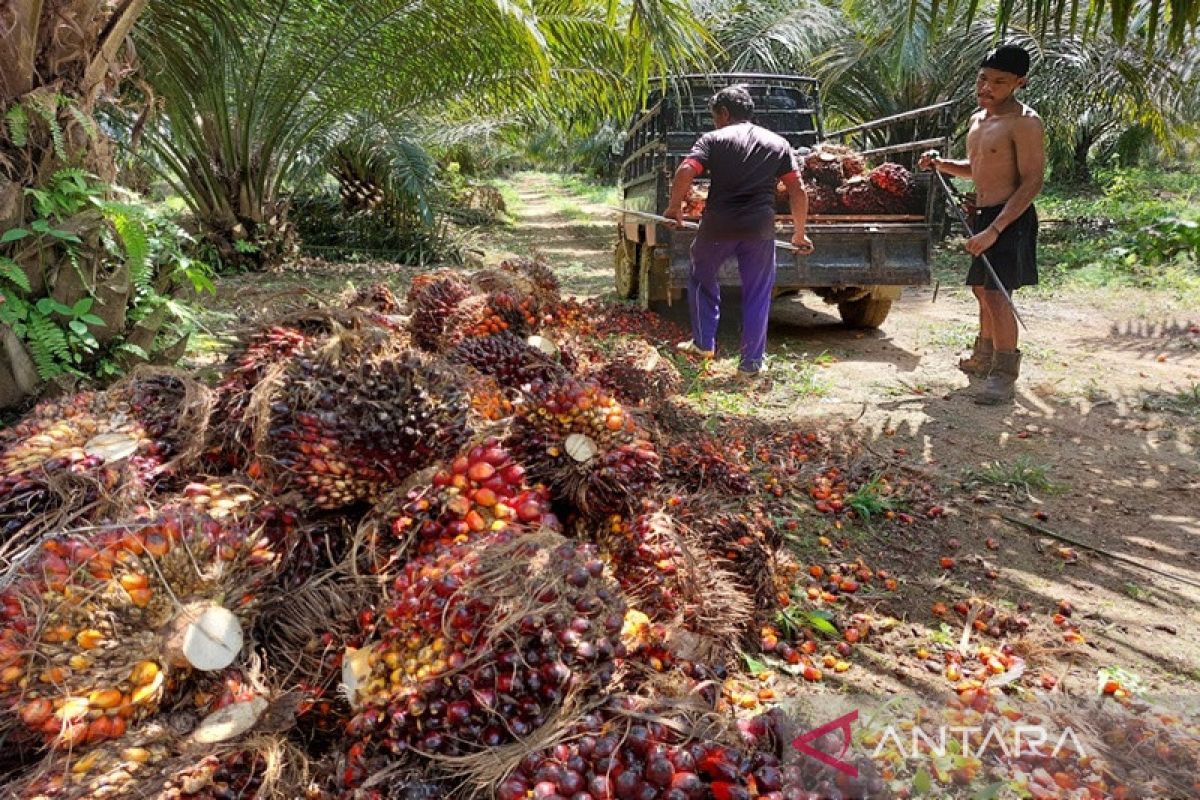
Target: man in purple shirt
745, 162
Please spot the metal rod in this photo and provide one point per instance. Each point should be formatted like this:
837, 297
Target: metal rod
691, 226
952, 201
1124, 559
900, 148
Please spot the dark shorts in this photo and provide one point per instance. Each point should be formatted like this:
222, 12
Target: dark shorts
1013, 256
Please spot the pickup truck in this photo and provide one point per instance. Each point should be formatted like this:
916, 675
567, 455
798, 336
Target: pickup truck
860, 261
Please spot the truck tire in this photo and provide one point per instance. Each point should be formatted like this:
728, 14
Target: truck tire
626, 268
653, 277
868, 312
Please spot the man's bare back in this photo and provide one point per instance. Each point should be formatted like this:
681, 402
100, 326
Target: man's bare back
995, 142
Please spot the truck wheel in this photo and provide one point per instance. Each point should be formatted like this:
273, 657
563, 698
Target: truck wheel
869, 312
653, 277
626, 269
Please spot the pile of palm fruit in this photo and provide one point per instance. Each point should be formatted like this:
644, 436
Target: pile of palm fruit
74, 459
837, 181
468, 543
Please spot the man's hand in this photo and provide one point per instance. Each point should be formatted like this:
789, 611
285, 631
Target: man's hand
802, 242
982, 241
929, 160
675, 213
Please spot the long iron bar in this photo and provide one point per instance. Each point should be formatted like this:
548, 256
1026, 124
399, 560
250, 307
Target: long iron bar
953, 201
691, 226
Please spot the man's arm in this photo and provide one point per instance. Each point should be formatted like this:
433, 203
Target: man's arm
1029, 141
687, 171
955, 167
958, 167
798, 205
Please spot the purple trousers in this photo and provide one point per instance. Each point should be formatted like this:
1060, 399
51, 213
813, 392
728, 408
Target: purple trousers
756, 265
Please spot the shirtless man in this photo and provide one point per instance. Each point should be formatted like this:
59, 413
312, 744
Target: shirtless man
1006, 159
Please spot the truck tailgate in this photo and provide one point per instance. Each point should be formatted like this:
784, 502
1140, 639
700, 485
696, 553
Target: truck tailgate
845, 254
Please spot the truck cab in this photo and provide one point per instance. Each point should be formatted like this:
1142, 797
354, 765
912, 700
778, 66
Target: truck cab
860, 262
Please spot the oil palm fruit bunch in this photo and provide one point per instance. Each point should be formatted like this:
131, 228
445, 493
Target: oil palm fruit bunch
860, 196
50, 442
613, 481
636, 372
647, 559
309, 628
555, 410
479, 644
546, 288
701, 464
376, 297
487, 314
853, 163
892, 178
481, 491
530, 283
577, 438
822, 164
611, 754
344, 433
822, 198
607, 319
506, 357
112, 446
431, 299
304, 547
245, 369
745, 544
668, 574
93, 632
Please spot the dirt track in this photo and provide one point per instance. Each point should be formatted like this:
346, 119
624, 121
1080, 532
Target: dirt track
1103, 412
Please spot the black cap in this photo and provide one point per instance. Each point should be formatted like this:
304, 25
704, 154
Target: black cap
1008, 58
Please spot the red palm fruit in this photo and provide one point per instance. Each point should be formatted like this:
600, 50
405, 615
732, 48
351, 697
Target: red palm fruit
892, 178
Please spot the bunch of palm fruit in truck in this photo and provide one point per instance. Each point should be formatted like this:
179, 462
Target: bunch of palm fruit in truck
872, 218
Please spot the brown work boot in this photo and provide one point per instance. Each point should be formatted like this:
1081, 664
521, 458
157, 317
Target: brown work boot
979, 363
1001, 381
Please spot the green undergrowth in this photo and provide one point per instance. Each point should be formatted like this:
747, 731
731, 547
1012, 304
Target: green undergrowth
1131, 228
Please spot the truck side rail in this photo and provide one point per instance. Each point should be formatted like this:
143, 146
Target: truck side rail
915, 113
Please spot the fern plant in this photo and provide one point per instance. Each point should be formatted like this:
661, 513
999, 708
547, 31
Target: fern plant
61, 338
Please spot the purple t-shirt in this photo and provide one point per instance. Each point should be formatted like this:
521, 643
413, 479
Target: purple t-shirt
744, 162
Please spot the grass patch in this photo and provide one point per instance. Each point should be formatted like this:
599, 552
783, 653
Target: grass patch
590, 191
1020, 474
572, 211
798, 378
1136, 592
1134, 228
955, 336
512, 199
1185, 402
872, 499
725, 403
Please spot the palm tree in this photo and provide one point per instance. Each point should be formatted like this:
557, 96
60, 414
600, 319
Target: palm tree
1099, 94
244, 117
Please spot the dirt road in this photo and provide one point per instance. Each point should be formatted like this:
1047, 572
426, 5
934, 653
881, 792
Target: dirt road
1100, 445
